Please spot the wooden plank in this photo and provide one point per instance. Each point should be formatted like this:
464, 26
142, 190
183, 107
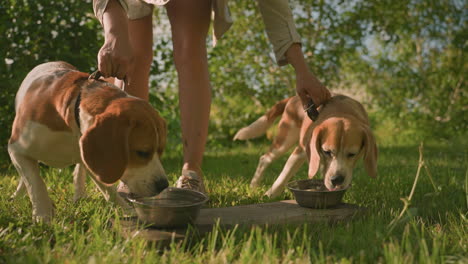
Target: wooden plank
276, 213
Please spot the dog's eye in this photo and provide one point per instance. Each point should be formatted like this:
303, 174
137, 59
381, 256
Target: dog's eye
143, 154
350, 155
327, 152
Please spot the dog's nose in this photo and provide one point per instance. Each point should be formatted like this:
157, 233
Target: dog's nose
337, 179
161, 184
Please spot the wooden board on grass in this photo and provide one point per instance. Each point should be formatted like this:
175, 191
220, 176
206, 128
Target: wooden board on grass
276, 213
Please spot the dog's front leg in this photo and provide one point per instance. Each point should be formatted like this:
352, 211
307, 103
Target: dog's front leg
288, 135
28, 169
295, 161
110, 193
263, 163
79, 182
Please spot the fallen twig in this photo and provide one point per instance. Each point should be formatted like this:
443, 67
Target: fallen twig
407, 201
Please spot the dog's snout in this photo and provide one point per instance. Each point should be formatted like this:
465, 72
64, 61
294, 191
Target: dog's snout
337, 179
161, 184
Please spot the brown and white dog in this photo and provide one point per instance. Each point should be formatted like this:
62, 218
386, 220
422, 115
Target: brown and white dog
334, 142
62, 118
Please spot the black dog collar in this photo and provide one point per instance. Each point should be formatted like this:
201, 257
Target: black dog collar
77, 109
93, 76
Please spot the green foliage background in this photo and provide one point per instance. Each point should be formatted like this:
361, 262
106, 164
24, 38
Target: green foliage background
406, 60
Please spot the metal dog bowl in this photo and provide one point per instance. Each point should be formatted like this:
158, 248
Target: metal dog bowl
173, 207
314, 194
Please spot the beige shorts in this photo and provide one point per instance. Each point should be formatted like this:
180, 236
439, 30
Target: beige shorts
136, 9
276, 15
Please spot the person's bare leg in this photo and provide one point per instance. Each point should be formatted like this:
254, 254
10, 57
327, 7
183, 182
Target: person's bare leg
140, 32
190, 21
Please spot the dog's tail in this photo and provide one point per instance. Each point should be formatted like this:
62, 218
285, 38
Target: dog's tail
261, 125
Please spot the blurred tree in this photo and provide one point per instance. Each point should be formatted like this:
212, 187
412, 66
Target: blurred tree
409, 56
416, 71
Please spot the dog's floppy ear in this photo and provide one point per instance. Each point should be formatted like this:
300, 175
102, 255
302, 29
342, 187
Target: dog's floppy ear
370, 153
104, 147
313, 149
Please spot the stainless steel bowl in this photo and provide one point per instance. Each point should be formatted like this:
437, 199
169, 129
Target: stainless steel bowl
314, 194
173, 207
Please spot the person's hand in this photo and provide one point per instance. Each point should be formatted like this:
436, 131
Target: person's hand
309, 88
115, 57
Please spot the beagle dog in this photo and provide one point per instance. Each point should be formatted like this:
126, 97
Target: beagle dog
64, 118
335, 141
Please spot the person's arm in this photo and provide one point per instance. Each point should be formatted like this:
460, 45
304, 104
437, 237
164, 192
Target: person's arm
281, 31
279, 26
115, 56
308, 87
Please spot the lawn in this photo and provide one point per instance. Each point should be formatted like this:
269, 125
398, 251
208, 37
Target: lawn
433, 230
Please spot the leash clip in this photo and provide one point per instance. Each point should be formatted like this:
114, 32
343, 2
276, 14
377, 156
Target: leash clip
312, 111
95, 75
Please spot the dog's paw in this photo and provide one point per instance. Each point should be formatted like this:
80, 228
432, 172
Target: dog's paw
254, 184
78, 196
44, 216
42, 219
80, 193
241, 134
271, 193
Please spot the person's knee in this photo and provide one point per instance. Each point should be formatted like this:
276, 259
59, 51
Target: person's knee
189, 50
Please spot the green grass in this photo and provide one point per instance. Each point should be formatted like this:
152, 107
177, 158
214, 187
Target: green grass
434, 230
